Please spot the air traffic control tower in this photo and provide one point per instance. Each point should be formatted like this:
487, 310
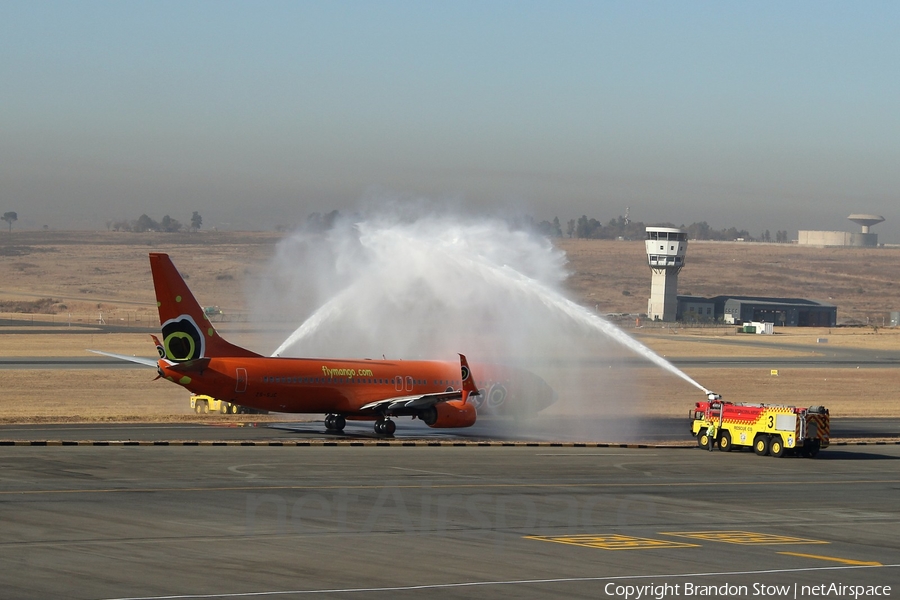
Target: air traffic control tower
666, 248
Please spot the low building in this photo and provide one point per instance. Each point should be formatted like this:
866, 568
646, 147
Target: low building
836, 238
782, 312
695, 308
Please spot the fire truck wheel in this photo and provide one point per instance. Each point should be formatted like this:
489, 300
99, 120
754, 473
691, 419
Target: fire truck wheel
703, 440
761, 445
776, 446
812, 450
725, 441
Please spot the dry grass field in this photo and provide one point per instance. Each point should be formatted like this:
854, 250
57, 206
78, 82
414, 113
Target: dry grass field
93, 275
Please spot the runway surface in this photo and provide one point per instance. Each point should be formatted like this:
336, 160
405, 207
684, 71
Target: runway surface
447, 522
629, 430
286, 510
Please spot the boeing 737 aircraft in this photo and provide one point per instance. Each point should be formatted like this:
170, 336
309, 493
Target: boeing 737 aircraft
440, 393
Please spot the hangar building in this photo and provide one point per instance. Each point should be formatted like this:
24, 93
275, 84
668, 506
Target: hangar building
789, 312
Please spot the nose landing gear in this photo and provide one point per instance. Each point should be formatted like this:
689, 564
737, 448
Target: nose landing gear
335, 423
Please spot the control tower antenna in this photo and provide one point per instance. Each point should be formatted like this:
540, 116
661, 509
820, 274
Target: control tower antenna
666, 248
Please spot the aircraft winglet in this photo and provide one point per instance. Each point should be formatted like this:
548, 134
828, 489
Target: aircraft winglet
468, 382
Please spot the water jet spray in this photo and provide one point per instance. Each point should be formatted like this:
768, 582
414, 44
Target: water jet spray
434, 286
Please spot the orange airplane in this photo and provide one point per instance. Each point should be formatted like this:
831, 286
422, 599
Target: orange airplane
193, 355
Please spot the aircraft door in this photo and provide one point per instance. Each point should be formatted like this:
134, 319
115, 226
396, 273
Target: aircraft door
409, 383
240, 380
398, 383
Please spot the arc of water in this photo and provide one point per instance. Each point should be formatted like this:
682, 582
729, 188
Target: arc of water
331, 309
523, 284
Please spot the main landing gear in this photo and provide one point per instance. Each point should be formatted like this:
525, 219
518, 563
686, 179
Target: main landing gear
335, 423
385, 427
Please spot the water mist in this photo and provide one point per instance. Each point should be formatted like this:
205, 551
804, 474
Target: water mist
429, 287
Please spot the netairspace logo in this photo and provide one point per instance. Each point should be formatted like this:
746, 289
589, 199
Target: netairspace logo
728, 590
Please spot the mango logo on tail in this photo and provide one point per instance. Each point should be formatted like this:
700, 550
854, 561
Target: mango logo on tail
182, 339
465, 372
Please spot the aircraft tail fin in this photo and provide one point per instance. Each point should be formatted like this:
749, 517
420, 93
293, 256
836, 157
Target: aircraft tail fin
187, 333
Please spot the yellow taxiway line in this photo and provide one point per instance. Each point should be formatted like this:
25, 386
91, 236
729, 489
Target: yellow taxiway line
845, 561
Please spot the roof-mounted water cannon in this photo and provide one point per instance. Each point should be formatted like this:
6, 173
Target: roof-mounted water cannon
713, 396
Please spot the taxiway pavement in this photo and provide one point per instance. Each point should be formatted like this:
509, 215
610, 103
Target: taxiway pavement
643, 430
119, 521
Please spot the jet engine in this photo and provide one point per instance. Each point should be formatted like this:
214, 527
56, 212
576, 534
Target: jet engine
455, 413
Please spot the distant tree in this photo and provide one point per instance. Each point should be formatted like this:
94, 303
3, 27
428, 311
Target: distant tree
702, 231
766, 236
588, 228
330, 219
169, 225
196, 221
582, 227
549, 229
317, 222
622, 227
144, 223
699, 231
732, 233
9, 217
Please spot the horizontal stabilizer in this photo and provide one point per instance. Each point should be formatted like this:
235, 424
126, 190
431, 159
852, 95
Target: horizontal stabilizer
141, 360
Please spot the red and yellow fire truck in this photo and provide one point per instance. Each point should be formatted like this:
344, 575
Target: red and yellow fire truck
767, 428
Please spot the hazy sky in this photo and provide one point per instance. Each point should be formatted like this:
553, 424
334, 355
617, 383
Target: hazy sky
760, 115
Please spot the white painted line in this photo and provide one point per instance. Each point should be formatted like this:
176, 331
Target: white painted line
593, 454
431, 472
438, 586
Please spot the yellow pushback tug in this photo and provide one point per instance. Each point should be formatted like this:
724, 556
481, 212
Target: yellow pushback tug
201, 404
